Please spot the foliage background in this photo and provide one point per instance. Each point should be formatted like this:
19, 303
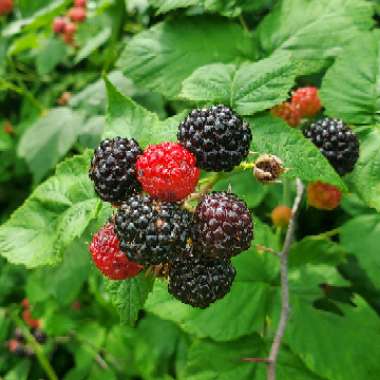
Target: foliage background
139, 66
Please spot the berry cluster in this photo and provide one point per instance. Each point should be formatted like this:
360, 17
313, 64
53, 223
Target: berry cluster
152, 227
336, 141
17, 344
304, 102
6, 7
67, 25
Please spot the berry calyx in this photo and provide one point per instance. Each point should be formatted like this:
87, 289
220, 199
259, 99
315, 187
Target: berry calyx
288, 112
113, 169
268, 168
306, 100
199, 282
167, 171
150, 231
77, 14
59, 25
323, 196
222, 226
6, 6
219, 139
336, 141
107, 256
281, 216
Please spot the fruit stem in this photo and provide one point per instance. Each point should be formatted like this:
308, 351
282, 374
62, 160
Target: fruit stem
285, 306
38, 350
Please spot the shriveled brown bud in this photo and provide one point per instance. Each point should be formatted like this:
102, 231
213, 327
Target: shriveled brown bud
268, 168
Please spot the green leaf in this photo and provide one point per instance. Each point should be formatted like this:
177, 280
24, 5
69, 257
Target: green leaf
300, 156
129, 296
313, 29
353, 332
245, 186
353, 335
246, 304
365, 179
316, 250
350, 90
19, 372
64, 281
164, 6
52, 53
208, 360
365, 249
56, 213
128, 119
249, 88
49, 139
162, 57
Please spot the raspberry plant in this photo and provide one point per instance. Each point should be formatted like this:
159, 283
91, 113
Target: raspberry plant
189, 189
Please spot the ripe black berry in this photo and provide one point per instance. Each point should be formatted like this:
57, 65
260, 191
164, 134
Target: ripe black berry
113, 169
336, 141
199, 282
222, 226
217, 137
151, 231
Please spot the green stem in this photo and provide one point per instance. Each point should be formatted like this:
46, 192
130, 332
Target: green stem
40, 354
329, 234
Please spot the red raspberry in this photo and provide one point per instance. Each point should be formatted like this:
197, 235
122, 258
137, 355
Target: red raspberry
323, 196
6, 6
59, 25
107, 256
80, 3
70, 28
29, 320
281, 216
288, 112
77, 14
307, 101
167, 171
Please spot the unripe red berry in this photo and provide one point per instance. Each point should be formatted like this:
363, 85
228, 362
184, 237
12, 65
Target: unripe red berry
288, 112
6, 6
281, 216
70, 28
59, 25
167, 171
77, 14
307, 101
25, 303
108, 258
323, 196
29, 320
80, 3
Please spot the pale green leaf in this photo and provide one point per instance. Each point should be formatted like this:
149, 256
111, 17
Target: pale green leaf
249, 88
129, 296
365, 179
160, 58
350, 90
313, 29
49, 139
128, 119
365, 249
300, 156
56, 213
